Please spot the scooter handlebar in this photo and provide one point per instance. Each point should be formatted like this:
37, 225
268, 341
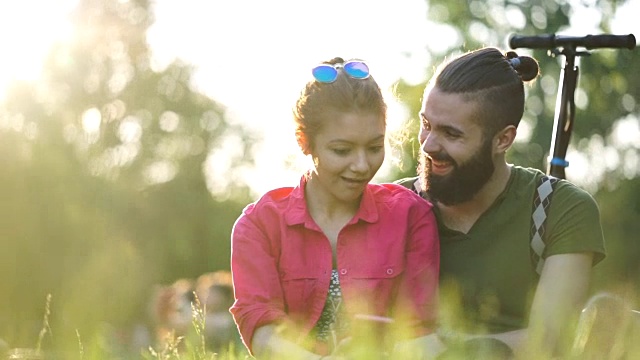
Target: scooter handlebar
550, 41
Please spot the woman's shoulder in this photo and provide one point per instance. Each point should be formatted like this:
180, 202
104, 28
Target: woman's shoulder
276, 197
398, 194
273, 204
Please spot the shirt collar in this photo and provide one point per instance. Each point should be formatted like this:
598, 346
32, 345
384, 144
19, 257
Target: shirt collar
368, 210
297, 212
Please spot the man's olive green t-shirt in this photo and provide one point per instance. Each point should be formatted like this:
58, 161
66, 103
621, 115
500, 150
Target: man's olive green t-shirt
487, 278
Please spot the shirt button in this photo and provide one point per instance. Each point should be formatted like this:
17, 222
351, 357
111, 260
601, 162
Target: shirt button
343, 271
389, 271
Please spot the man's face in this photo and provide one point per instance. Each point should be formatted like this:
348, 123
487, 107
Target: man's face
456, 160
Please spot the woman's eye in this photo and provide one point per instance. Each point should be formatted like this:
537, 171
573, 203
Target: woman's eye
376, 149
341, 151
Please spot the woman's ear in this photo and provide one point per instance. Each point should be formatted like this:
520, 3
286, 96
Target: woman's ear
503, 140
303, 143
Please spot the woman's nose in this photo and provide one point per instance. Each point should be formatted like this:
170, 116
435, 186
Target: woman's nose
360, 162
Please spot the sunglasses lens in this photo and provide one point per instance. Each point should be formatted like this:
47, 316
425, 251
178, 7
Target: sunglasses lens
325, 73
357, 69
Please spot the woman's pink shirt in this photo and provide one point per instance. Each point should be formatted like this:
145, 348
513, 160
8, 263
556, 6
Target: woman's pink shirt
387, 259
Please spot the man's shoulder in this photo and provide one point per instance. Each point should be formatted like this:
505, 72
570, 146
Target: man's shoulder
526, 176
532, 178
408, 182
573, 218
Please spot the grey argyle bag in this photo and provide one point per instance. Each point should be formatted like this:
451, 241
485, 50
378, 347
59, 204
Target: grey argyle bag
541, 202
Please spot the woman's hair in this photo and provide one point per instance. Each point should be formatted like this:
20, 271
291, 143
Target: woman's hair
220, 281
493, 80
321, 101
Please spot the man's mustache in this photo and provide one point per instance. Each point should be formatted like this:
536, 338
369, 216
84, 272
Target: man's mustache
440, 157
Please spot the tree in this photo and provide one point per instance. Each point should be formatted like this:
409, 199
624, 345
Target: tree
105, 186
604, 143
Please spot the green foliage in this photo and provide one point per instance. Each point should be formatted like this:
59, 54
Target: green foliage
103, 187
620, 271
603, 328
606, 89
606, 100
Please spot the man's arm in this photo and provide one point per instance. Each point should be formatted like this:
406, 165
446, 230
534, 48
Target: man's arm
423, 348
560, 295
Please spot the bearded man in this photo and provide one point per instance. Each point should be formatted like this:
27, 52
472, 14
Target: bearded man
493, 286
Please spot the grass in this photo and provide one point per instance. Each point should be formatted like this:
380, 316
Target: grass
190, 347
618, 333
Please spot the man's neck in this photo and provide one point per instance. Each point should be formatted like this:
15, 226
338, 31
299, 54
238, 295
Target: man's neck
462, 216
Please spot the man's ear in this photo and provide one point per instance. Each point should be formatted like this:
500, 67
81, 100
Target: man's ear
503, 140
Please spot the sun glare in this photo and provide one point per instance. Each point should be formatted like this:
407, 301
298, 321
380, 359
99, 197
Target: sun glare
28, 29
263, 57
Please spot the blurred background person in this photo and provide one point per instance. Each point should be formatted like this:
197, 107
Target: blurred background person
215, 293
172, 312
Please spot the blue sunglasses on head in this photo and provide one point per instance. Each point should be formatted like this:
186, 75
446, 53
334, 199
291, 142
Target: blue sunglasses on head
327, 73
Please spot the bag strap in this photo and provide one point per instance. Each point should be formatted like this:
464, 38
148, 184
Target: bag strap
541, 202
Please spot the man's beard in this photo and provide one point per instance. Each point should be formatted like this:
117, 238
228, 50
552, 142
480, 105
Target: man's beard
463, 182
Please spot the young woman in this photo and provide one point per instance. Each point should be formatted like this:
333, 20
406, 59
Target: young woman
311, 264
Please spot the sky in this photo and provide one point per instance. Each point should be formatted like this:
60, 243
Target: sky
254, 56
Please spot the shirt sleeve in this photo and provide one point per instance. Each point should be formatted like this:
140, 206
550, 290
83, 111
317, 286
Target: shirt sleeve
574, 223
420, 282
258, 293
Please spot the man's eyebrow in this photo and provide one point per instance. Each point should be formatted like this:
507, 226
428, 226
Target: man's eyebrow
444, 127
451, 129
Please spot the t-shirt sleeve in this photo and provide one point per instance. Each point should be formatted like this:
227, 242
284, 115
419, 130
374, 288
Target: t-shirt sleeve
574, 223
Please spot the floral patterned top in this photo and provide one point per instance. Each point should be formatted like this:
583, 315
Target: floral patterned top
332, 324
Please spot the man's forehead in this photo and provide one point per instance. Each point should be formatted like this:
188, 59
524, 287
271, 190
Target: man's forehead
440, 108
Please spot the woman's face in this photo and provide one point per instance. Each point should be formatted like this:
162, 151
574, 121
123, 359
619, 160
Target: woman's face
347, 152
